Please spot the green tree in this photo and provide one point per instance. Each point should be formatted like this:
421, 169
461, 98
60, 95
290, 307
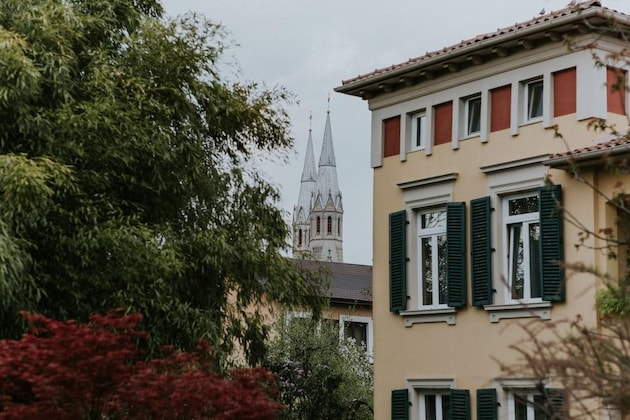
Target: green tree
319, 375
127, 179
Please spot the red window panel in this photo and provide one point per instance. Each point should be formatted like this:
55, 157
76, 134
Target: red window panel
443, 122
564, 92
616, 80
391, 136
500, 108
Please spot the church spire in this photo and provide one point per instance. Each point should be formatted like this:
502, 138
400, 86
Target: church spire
318, 215
327, 184
308, 181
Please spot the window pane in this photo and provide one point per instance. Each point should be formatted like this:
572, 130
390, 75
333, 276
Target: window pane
427, 271
515, 259
523, 205
474, 115
446, 406
520, 407
534, 99
434, 219
420, 122
539, 408
430, 411
534, 260
442, 268
356, 330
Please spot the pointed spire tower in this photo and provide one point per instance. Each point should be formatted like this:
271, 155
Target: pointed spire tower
327, 214
302, 211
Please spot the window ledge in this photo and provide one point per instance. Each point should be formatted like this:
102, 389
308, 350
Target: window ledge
540, 310
425, 316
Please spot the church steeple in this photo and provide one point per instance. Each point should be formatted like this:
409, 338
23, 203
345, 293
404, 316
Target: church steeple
321, 234
308, 188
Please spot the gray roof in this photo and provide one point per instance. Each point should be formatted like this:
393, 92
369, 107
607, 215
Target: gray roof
349, 283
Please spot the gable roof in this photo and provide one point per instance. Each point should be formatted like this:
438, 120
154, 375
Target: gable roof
596, 154
545, 28
349, 283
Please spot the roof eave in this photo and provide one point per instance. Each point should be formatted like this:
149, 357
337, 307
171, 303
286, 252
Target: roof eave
357, 88
584, 159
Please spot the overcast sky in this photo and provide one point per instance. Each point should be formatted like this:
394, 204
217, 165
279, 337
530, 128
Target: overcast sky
310, 46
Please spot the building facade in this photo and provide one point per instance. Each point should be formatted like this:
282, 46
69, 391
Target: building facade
474, 148
318, 215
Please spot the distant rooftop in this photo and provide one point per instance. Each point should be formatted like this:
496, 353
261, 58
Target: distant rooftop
349, 283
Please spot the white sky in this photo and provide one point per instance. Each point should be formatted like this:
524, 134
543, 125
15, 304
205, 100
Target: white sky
310, 46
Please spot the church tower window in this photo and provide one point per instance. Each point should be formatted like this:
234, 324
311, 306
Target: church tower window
318, 230
329, 230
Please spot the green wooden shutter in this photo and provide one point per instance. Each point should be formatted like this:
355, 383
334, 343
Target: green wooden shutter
400, 404
456, 254
556, 403
398, 261
487, 404
551, 244
460, 404
481, 251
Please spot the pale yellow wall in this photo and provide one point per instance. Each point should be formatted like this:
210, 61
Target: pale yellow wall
465, 351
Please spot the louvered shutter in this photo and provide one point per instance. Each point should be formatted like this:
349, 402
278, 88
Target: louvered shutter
487, 404
551, 243
460, 404
398, 261
556, 403
400, 404
456, 254
481, 251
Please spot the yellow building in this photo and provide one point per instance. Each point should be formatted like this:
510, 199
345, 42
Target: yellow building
468, 235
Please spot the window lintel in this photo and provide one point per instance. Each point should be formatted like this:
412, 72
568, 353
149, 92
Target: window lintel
428, 181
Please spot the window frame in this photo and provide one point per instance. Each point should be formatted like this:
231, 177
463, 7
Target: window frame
507, 220
468, 103
369, 330
528, 107
529, 395
421, 143
422, 403
434, 233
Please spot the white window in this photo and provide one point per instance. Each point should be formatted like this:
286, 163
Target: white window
432, 258
358, 328
432, 398
419, 130
526, 405
472, 118
522, 247
434, 405
534, 97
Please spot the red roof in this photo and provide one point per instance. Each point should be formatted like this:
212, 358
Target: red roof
615, 143
569, 10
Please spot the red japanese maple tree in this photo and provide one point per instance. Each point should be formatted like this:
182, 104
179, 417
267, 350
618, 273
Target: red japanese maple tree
63, 370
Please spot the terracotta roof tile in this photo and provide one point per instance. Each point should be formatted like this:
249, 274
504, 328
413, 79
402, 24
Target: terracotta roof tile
572, 9
614, 143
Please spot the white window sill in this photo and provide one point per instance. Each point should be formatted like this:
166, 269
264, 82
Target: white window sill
540, 310
471, 136
425, 316
532, 121
417, 149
